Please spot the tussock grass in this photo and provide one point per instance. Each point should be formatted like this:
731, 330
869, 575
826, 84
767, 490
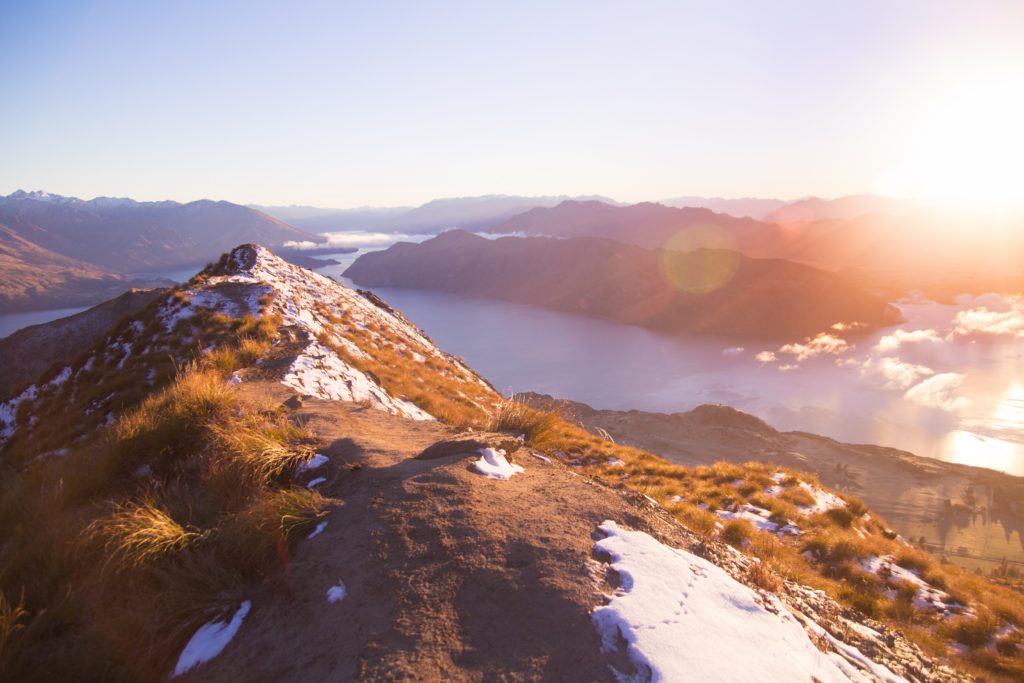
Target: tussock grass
515, 417
835, 543
137, 534
212, 510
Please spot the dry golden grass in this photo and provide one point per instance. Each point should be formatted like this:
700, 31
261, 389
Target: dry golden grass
137, 534
837, 542
211, 514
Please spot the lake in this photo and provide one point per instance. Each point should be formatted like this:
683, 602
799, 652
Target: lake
927, 388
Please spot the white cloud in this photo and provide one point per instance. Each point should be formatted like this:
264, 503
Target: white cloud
787, 368
848, 327
733, 351
894, 373
1002, 318
940, 391
766, 357
824, 343
893, 341
356, 239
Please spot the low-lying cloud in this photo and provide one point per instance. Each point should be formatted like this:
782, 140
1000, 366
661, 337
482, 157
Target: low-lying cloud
894, 341
940, 391
894, 373
1001, 317
352, 239
822, 344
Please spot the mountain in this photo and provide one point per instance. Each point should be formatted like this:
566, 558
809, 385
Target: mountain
650, 225
468, 213
34, 278
265, 475
742, 207
705, 291
125, 236
812, 209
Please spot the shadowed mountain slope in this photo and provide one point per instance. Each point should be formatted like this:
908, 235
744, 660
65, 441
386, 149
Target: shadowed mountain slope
704, 292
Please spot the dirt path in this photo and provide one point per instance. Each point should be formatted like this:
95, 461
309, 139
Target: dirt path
449, 575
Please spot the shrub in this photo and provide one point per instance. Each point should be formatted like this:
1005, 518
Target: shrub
841, 517
737, 532
973, 632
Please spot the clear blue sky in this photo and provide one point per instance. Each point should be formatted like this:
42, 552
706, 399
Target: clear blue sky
380, 103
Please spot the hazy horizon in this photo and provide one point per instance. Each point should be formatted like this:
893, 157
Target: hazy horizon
340, 106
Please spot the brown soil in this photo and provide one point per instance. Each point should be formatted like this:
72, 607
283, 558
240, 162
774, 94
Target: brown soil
450, 576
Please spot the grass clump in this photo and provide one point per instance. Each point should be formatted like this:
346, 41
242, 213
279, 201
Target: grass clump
190, 498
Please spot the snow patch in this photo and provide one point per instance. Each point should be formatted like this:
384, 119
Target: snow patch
682, 618
336, 593
210, 640
493, 465
318, 530
320, 372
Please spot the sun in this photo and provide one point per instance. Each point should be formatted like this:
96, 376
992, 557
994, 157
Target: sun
965, 146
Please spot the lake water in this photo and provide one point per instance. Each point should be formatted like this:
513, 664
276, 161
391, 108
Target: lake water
936, 393
12, 322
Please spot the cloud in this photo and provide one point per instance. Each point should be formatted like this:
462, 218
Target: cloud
766, 357
824, 343
940, 391
354, 238
848, 327
787, 368
899, 337
733, 351
894, 373
1003, 318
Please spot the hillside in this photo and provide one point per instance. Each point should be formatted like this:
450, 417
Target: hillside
28, 352
125, 236
34, 278
701, 292
264, 475
969, 514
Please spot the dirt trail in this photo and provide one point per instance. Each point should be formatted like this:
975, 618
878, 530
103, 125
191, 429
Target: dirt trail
449, 575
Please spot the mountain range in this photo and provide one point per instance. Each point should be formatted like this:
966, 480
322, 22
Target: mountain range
126, 236
468, 213
705, 291
63, 251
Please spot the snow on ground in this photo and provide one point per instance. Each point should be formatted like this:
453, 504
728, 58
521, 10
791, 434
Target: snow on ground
210, 640
682, 618
759, 518
9, 408
316, 462
927, 596
318, 371
823, 500
493, 464
336, 593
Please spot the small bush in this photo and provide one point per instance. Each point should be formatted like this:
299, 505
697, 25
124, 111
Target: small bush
973, 632
737, 532
841, 517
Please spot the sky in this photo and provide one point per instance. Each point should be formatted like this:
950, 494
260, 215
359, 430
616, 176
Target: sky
345, 104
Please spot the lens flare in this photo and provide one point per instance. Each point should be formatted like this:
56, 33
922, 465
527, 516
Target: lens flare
700, 259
